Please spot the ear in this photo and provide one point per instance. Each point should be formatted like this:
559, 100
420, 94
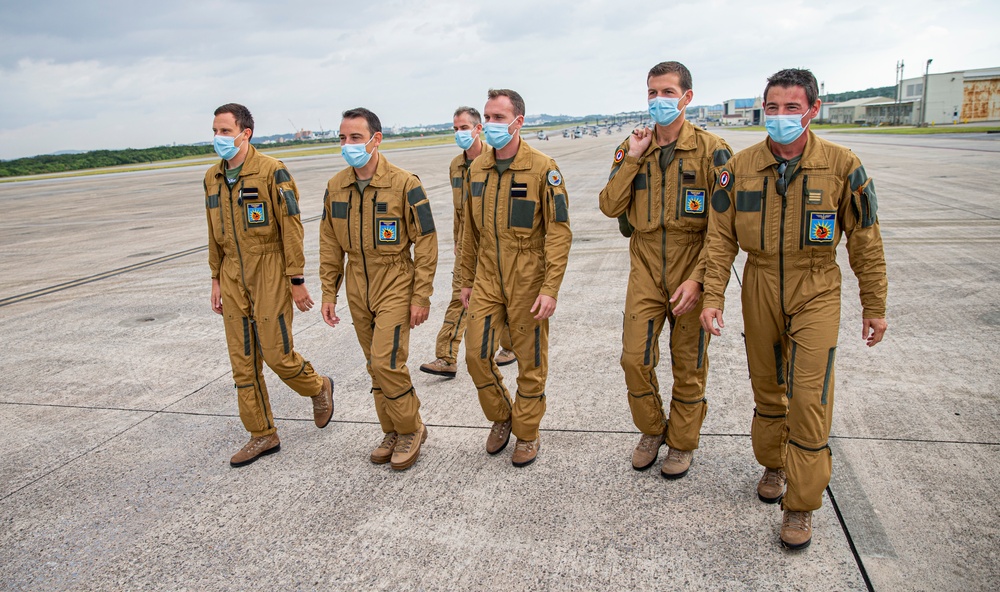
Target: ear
377, 139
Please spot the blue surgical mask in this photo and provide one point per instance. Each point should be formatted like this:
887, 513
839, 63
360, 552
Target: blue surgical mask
464, 139
225, 146
356, 155
497, 134
664, 110
784, 129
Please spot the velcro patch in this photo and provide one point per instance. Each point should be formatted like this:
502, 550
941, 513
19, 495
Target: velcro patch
381, 207
388, 231
281, 176
821, 226
256, 213
555, 178
694, 201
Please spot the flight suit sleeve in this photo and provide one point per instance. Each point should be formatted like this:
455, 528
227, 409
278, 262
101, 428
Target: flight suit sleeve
721, 153
331, 255
421, 232
558, 236
617, 194
285, 197
858, 212
721, 246
470, 238
214, 248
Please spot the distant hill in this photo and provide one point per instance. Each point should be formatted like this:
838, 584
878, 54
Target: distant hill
882, 91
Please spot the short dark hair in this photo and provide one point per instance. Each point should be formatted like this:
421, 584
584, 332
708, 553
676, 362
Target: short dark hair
472, 112
240, 113
374, 125
795, 77
515, 99
683, 74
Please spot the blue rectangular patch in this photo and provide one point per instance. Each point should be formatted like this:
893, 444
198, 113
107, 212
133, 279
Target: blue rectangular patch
256, 214
388, 231
694, 201
821, 225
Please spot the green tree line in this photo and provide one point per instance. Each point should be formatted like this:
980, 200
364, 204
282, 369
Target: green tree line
882, 91
57, 163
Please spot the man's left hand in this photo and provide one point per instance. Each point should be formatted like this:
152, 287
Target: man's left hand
872, 330
545, 305
686, 297
418, 314
301, 298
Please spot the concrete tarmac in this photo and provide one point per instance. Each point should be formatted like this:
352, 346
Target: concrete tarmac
118, 407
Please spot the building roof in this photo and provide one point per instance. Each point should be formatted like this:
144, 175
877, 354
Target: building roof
861, 102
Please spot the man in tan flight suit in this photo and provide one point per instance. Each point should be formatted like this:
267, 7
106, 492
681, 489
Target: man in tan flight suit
256, 257
786, 201
662, 188
374, 212
468, 129
514, 252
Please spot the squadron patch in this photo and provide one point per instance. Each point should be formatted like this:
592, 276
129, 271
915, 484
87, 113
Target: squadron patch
555, 178
256, 214
694, 201
619, 155
724, 179
388, 231
821, 227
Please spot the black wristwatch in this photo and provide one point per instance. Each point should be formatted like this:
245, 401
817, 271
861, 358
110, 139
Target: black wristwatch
298, 281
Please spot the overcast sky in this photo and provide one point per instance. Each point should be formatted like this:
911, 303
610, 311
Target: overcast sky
90, 74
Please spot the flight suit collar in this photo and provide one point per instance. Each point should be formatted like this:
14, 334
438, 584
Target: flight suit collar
251, 164
521, 162
379, 179
813, 157
685, 140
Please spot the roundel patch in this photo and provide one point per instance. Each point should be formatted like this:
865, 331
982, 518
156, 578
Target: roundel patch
724, 179
619, 155
555, 179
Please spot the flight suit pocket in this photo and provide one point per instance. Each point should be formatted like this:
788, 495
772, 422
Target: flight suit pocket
476, 191
215, 213
749, 218
522, 213
646, 215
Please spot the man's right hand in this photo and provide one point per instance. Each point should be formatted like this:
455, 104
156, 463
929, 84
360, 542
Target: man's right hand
216, 296
466, 294
330, 314
639, 141
709, 317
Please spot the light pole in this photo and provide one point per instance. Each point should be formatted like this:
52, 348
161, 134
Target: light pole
923, 101
899, 91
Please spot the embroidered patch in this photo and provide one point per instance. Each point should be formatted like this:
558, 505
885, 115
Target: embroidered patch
555, 179
724, 179
814, 197
619, 155
821, 227
382, 207
388, 231
256, 214
694, 201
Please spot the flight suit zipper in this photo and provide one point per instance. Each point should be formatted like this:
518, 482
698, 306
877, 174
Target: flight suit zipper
804, 227
663, 237
243, 278
649, 194
361, 246
350, 240
496, 235
680, 185
781, 251
763, 216
375, 222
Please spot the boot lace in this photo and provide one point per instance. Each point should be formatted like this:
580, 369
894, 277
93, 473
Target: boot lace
649, 443
773, 477
388, 441
526, 445
405, 442
797, 520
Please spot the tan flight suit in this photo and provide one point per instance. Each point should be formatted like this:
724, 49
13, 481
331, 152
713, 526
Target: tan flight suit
515, 246
669, 214
376, 230
254, 246
453, 328
791, 293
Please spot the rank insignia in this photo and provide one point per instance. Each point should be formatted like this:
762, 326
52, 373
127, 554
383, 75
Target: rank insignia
724, 179
388, 231
555, 179
256, 214
619, 155
821, 227
694, 201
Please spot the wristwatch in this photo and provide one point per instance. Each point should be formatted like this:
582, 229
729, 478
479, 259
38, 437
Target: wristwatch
298, 281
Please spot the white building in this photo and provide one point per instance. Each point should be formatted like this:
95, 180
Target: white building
952, 97
853, 110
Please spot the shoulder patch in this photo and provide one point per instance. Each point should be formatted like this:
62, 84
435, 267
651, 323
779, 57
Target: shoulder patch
415, 195
619, 155
282, 176
724, 179
555, 178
